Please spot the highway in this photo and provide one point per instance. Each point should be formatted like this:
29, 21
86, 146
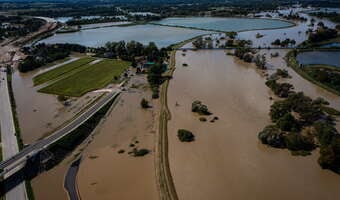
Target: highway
36, 147
9, 142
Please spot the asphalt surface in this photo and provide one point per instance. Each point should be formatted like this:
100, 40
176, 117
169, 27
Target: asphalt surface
70, 182
36, 147
8, 139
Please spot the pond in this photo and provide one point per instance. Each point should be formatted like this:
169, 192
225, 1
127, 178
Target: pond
225, 24
161, 35
319, 57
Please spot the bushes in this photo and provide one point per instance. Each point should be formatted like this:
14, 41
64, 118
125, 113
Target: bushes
140, 152
280, 89
199, 108
185, 135
288, 123
298, 142
144, 103
272, 136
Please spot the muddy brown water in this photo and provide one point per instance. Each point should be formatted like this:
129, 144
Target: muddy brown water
106, 174
227, 161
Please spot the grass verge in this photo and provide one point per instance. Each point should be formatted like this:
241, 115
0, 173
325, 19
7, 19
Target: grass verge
92, 77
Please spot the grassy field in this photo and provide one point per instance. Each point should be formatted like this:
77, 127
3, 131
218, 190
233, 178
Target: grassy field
91, 77
55, 73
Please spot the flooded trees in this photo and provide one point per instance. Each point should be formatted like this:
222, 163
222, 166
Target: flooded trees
200, 108
144, 104
185, 135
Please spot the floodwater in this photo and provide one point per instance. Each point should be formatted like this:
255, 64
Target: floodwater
224, 24
300, 84
161, 35
104, 173
227, 161
331, 45
319, 57
40, 113
297, 32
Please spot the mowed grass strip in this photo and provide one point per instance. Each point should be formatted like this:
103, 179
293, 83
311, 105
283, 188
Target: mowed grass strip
59, 71
91, 78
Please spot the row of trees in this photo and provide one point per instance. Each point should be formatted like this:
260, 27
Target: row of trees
130, 50
284, 43
322, 33
42, 54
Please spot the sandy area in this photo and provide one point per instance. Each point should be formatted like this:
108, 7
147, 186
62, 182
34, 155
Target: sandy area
106, 174
227, 161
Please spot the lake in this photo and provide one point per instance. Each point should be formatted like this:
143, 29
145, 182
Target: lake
161, 35
319, 57
164, 36
225, 24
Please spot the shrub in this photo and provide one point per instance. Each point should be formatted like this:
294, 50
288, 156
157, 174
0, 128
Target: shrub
288, 123
185, 135
140, 152
144, 103
272, 136
200, 108
296, 142
203, 119
121, 151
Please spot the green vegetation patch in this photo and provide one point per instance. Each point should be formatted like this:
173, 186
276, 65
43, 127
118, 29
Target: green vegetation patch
92, 77
62, 70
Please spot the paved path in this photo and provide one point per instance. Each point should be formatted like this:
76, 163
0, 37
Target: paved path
70, 182
57, 65
8, 138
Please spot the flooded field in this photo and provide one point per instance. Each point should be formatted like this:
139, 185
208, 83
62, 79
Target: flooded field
224, 24
40, 113
319, 57
227, 152
162, 36
106, 174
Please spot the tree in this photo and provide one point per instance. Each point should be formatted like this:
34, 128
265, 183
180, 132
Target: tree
260, 61
272, 136
231, 35
185, 135
297, 142
288, 123
144, 103
198, 43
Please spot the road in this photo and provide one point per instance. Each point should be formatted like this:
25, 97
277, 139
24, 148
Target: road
36, 147
70, 182
9, 141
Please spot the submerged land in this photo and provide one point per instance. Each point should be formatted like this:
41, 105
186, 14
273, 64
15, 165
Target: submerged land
210, 102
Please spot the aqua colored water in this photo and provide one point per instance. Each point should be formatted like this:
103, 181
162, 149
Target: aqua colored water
332, 45
319, 57
225, 24
161, 35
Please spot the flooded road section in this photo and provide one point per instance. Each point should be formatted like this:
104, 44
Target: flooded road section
107, 174
226, 160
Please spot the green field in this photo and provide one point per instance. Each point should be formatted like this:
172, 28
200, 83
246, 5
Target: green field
62, 70
91, 77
